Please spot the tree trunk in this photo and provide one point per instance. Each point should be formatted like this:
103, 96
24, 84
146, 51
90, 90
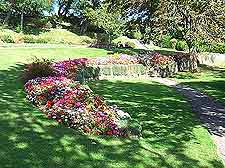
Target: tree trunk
21, 21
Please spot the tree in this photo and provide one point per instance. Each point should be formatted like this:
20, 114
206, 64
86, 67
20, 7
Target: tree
22, 7
110, 21
194, 19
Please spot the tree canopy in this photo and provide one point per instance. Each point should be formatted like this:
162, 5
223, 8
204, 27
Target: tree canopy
189, 20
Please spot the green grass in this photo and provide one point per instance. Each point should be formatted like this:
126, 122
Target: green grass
51, 36
172, 135
10, 56
210, 80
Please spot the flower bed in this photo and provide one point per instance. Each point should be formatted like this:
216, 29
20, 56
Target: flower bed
84, 69
158, 64
114, 59
75, 106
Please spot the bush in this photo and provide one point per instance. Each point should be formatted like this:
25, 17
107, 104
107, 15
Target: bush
137, 35
54, 36
61, 36
203, 46
181, 45
124, 42
29, 39
218, 48
102, 38
166, 42
87, 73
35, 39
7, 38
42, 39
39, 68
86, 40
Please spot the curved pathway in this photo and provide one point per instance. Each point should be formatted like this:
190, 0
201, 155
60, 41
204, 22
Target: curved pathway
211, 112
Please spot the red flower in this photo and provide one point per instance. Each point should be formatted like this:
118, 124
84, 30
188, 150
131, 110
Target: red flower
109, 132
50, 103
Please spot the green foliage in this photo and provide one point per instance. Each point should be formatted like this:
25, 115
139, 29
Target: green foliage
124, 41
39, 68
54, 36
87, 73
181, 45
204, 46
109, 21
192, 19
35, 39
61, 36
218, 48
166, 41
137, 35
6, 38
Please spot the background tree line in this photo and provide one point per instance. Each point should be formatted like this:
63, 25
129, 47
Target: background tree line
163, 22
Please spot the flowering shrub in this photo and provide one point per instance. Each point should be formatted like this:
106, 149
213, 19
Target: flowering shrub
77, 107
64, 68
156, 59
158, 64
76, 69
39, 68
114, 59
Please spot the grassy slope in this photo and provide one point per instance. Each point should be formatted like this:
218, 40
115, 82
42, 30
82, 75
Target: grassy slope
210, 80
171, 135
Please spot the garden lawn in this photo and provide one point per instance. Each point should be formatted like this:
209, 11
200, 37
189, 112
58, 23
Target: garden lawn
210, 80
172, 135
11, 56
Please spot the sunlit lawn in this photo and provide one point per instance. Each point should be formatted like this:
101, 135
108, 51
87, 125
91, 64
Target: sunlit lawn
172, 135
210, 80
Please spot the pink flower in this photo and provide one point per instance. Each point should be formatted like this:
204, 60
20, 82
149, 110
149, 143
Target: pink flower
77, 104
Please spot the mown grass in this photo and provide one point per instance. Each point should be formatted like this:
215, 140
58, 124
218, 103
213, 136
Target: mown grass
172, 135
11, 56
210, 80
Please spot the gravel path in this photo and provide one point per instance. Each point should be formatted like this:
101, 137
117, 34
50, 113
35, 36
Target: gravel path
211, 112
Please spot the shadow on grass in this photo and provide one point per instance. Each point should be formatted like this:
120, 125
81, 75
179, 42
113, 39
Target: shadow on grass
29, 139
210, 80
205, 71
213, 88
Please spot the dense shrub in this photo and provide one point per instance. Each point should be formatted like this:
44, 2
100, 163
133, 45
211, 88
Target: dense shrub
218, 48
39, 68
54, 36
137, 35
76, 69
204, 46
166, 41
181, 45
86, 40
101, 38
7, 38
61, 36
29, 39
124, 42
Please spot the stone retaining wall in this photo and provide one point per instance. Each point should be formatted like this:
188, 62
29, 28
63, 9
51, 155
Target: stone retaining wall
212, 59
